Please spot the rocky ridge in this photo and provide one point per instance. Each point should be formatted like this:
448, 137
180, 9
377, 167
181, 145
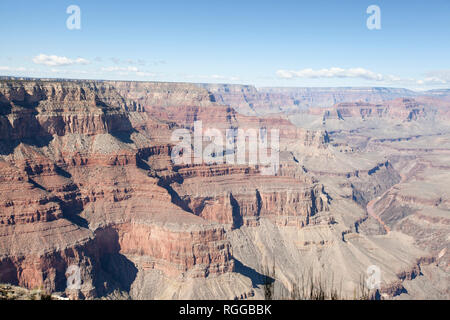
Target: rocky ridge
102, 193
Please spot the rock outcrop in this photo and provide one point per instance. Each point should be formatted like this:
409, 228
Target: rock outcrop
249, 100
86, 166
87, 180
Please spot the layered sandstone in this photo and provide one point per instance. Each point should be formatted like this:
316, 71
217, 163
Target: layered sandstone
87, 179
250, 100
60, 139
50, 188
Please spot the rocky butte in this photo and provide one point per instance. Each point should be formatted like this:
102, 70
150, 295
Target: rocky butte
87, 179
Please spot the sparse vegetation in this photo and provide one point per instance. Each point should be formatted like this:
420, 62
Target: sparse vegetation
269, 283
313, 287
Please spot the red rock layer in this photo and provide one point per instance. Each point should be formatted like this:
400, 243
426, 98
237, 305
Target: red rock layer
85, 175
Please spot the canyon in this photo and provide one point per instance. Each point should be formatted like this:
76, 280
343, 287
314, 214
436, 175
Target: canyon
87, 179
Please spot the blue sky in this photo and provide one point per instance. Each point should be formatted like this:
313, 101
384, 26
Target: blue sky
265, 43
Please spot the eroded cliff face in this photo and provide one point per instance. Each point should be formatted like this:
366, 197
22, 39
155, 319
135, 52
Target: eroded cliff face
87, 180
399, 109
242, 199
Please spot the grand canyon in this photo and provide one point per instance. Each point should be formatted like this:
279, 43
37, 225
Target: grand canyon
87, 179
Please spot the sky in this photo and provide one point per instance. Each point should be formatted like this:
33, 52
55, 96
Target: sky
262, 43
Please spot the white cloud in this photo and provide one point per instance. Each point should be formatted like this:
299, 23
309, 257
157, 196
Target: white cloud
431, 81
331, 73
120, 69
130, 70
64, 71
440, 77
115, 60
52, 60
19, 69
436, 77
211, 77
443, 74
145, 74
137, 62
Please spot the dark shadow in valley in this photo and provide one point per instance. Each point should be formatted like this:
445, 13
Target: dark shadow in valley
258, 279
7, 146
25, 128
5, 107
175, 198
120, 271
60, 171
141, 164
71, 211
8, 272
78, 220
238, 221
36, 185
119, 126
26, 103
123, 136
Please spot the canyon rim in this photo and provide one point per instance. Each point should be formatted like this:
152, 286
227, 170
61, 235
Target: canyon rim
88, 180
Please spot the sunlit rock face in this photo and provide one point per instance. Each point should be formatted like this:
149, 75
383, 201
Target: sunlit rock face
87, 179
